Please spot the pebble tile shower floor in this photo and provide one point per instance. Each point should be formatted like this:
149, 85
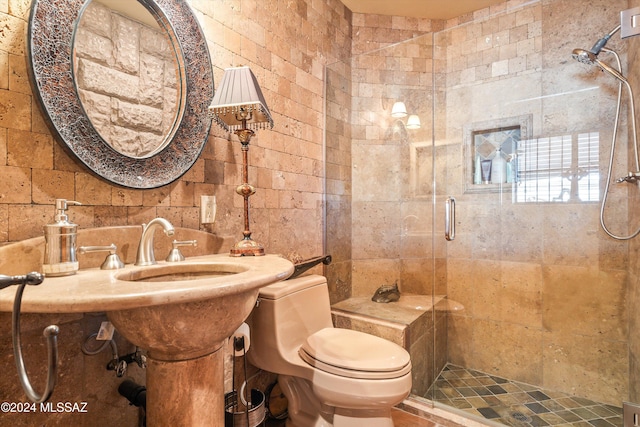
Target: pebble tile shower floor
517, 404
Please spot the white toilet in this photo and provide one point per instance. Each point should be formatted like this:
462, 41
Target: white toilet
330, 376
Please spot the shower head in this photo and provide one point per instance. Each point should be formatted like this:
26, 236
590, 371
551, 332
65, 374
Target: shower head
584, 56
590, 58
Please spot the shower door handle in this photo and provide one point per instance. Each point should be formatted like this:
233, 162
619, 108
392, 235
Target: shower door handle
450, 219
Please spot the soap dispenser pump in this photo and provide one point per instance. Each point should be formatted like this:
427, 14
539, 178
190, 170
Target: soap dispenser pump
60, 243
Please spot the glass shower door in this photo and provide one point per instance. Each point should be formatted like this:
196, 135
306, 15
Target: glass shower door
379, 153
536, 320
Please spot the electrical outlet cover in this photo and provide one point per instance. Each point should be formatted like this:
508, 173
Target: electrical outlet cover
631, 414
207, 209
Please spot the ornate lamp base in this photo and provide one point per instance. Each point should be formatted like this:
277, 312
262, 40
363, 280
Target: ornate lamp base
247, 247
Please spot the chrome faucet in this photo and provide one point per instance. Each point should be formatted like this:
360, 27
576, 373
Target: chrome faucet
145, 248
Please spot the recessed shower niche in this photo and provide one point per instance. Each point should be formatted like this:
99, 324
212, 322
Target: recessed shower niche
491, 151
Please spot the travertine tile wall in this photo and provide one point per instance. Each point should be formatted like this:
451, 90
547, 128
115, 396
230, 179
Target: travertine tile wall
287, 44
544, 289
349, 109
360, 94
634, 247
391, 217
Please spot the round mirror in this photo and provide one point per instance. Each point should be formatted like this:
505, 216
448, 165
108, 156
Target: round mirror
127, 76
133, 141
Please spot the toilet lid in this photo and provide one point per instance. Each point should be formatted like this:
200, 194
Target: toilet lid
355, 354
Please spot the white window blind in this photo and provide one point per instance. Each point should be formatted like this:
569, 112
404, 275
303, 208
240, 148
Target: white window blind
558, 169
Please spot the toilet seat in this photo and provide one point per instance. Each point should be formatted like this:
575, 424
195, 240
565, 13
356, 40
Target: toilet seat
354, 354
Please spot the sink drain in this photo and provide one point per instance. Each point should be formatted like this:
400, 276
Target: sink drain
521, 417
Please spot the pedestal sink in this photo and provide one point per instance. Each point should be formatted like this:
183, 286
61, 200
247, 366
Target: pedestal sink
181, 313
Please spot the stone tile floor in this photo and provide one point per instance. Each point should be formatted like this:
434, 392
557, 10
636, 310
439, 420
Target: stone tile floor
517, 404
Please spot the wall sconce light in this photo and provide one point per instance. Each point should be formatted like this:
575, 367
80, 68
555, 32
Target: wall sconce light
237, 106
413, 122
399, 110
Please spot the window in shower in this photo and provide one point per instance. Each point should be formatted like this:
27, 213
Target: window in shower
558, 169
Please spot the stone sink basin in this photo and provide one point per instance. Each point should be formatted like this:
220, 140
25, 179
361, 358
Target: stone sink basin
175, 311
186, 310
181, 272
180, 313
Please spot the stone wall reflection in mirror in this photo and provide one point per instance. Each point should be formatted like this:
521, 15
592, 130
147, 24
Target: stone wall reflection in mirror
127, 77
52, 26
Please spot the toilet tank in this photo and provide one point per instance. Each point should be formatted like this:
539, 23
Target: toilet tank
286, 314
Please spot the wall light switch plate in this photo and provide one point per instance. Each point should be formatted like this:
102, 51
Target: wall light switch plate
630, 22
207, 209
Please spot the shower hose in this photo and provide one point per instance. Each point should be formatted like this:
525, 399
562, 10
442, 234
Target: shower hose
613, 148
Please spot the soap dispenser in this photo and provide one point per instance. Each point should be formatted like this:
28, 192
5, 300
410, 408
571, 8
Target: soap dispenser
60, 243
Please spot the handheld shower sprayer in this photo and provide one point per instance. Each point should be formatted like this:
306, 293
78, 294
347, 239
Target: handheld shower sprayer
590, 57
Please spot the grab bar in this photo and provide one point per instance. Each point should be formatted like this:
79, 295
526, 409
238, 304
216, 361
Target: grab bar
50, 333
305, 265
450, 219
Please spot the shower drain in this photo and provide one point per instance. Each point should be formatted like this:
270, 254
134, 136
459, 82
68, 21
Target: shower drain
521, 417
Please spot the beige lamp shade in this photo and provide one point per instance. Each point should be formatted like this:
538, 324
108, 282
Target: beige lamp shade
239, 99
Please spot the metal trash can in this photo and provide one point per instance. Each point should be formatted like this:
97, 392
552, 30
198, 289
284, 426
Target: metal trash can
239, 415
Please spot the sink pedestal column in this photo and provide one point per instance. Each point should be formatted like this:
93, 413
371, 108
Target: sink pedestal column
186, 393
